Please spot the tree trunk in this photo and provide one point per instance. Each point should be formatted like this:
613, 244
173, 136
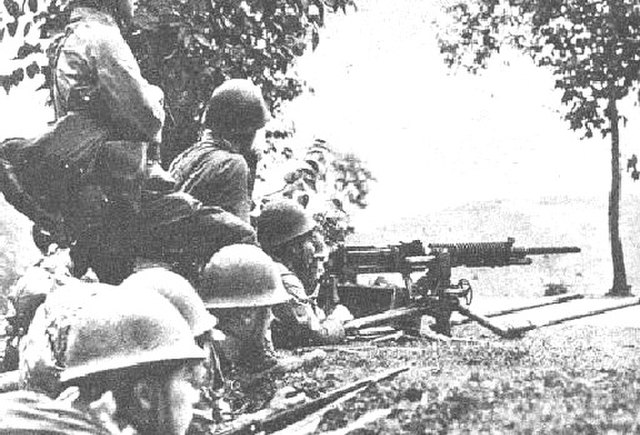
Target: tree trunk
620, 286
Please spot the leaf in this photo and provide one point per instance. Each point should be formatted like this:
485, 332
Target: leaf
13, 8
33, 5
12, 28
26, 49
27, 27
311, 183
287, 152
33, 69
632, 162
5, 82
303, 200
17, 76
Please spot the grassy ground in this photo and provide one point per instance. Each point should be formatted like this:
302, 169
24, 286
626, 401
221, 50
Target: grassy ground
557, 380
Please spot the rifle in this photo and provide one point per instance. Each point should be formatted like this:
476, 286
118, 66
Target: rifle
282, 419
433, 293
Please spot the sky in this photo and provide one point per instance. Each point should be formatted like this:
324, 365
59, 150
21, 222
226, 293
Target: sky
436, 137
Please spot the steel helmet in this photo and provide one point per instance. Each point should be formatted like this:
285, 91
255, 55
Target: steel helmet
179, 292
242, 276
123, 329
281, 221
236, 106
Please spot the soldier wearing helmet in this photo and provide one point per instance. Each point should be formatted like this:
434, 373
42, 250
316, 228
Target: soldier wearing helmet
239, 285
220, 169
186, 300
142, 352
286, 232
85, 176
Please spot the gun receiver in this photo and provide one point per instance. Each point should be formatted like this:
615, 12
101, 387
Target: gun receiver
434, 290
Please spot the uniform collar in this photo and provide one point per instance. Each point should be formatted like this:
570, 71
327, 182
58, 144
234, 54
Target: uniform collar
207, 136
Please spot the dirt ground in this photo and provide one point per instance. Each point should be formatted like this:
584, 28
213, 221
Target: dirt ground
572, 378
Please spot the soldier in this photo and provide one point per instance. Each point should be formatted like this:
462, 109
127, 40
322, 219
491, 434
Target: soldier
37, 362
239, 285
286, 233
220, 169
141, 352
83, 179
37, 358
186, 300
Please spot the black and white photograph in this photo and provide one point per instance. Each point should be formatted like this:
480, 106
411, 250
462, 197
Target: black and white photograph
230, 217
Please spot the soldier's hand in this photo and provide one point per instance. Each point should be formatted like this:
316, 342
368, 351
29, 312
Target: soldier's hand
341, 314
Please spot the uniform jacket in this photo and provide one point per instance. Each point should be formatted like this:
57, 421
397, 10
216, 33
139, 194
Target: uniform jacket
299, 321
106, 113
95, 70
28, 412
215, 174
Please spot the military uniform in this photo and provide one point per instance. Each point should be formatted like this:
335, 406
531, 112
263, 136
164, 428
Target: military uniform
300, 321
95, 70
87, 172
285, 231
214, 173
29, 412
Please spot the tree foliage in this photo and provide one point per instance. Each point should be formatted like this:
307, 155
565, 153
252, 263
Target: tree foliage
328, 183
593, 49
189, 47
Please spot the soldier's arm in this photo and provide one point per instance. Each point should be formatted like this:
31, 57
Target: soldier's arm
128, 96
305, 322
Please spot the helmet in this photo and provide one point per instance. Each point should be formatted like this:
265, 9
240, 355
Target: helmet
236, 106
179, 292
282, 221
242, 276
108, 334
42, 348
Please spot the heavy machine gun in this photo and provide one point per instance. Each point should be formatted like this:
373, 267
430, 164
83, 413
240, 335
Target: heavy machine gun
433, 293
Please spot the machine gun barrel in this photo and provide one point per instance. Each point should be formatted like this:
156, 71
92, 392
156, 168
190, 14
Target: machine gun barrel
549, 250
494, 254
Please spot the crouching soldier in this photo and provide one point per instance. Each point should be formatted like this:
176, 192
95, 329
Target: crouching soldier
141, 352
286, 232
219, 169
186, 300
240, 285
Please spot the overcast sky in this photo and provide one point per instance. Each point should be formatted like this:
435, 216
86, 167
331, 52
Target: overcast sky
383, 90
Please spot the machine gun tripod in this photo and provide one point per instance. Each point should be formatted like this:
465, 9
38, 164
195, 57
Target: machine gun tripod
433, 293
